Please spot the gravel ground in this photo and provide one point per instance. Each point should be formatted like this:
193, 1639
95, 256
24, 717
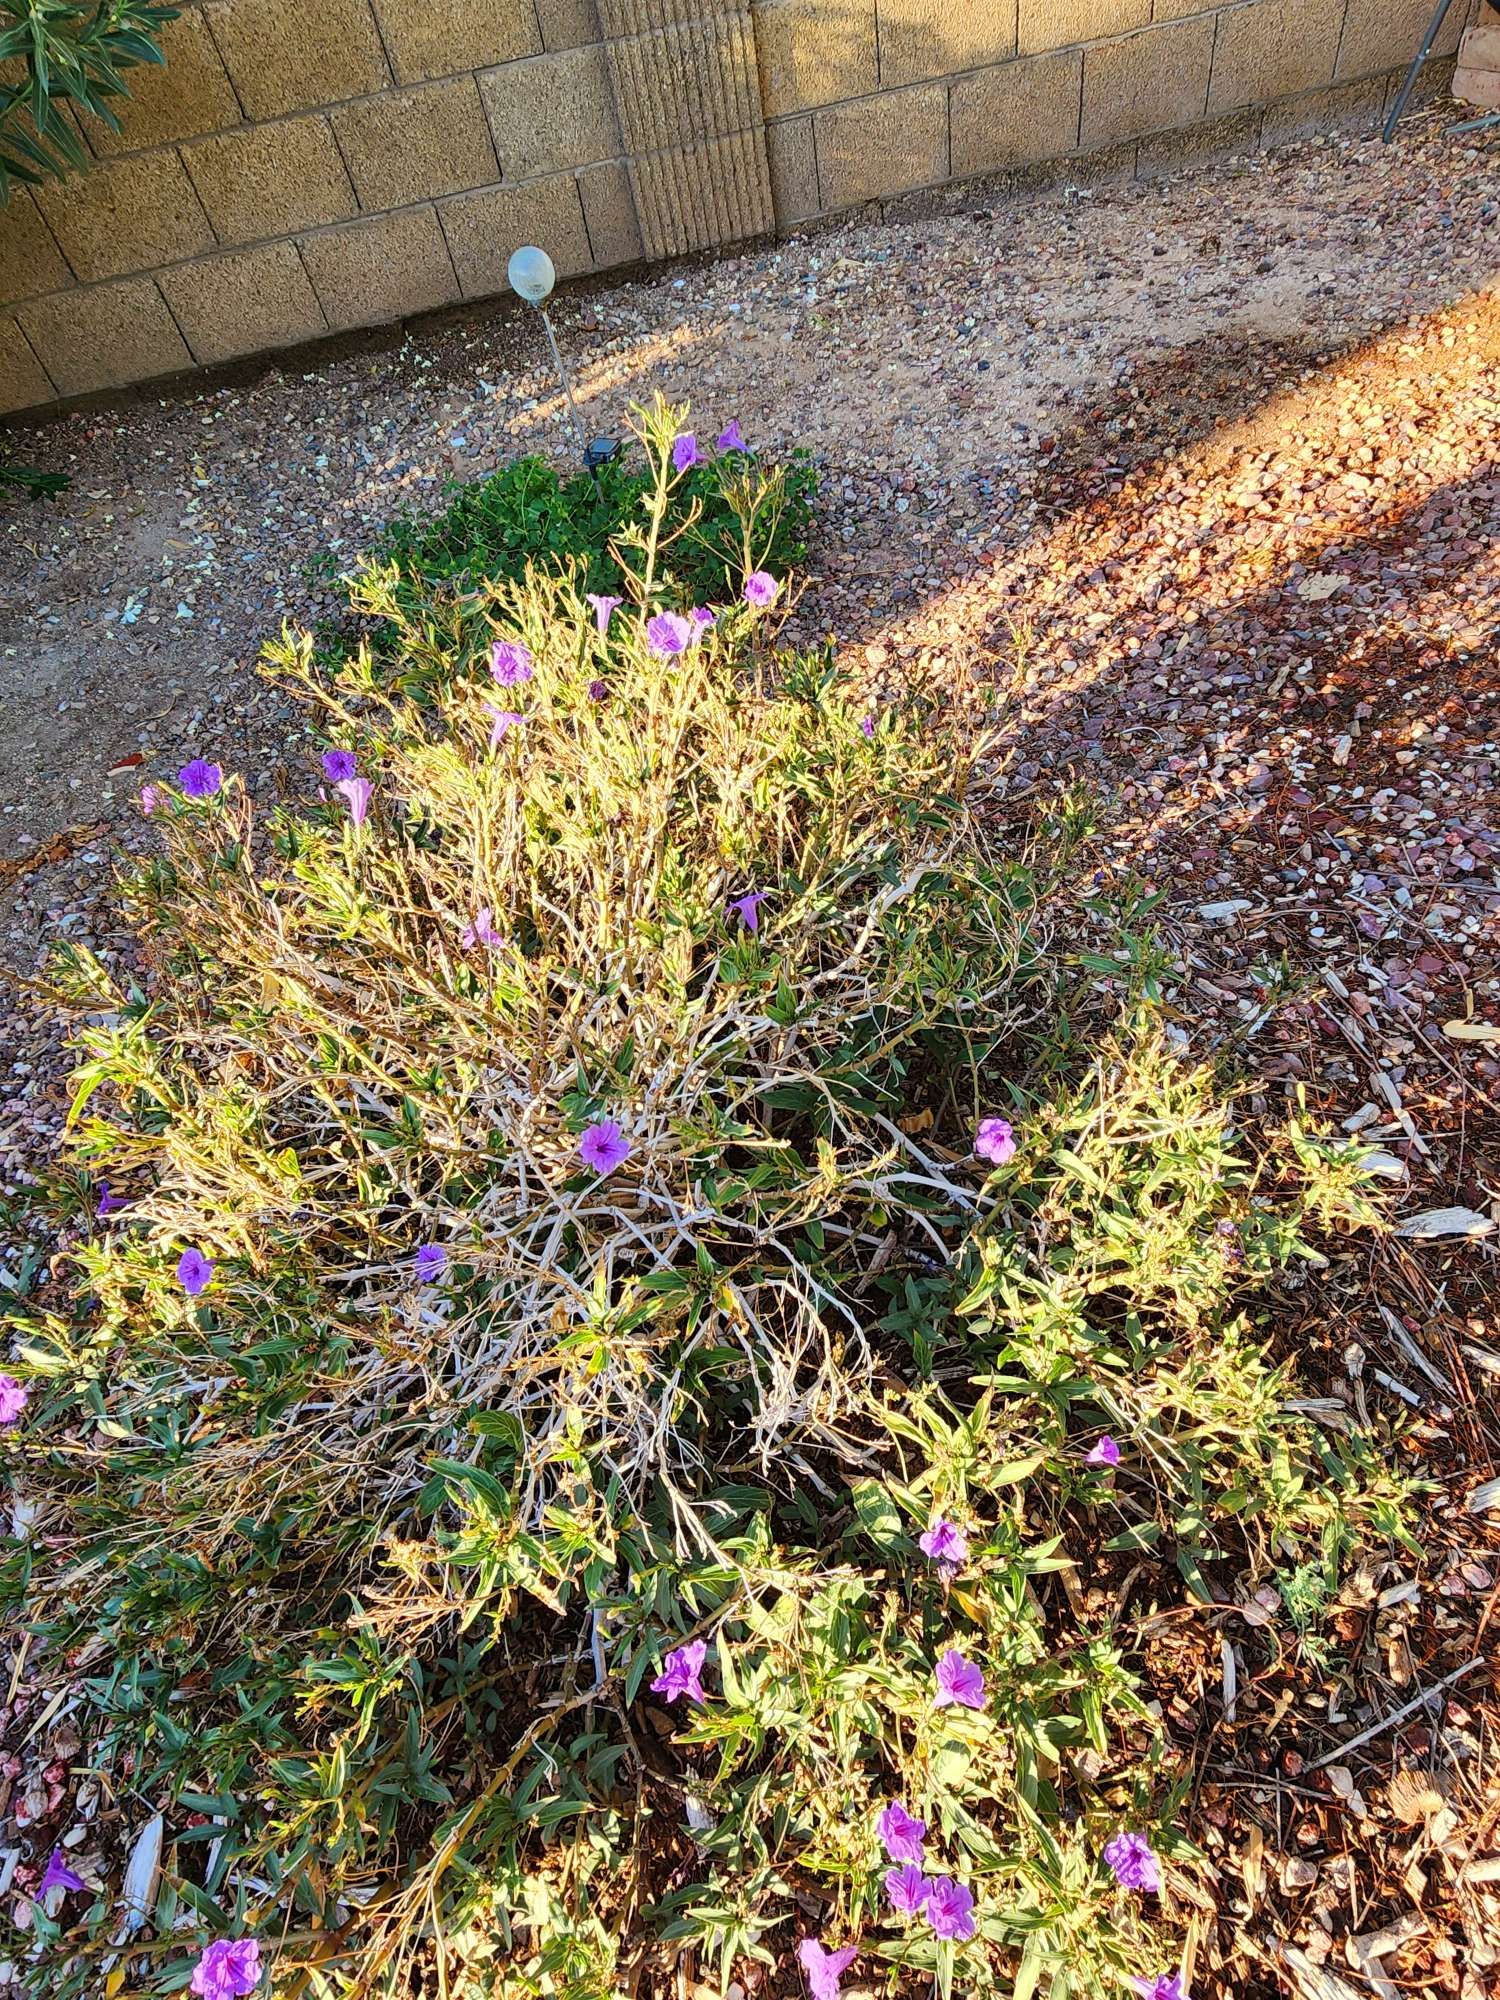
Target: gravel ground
1191, 488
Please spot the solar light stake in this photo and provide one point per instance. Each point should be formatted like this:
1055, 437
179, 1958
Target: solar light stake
532, 277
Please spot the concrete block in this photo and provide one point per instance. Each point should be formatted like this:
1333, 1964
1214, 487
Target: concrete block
483, 229
681, 84
1385, 34
104, 336
1146, 83
126, 216
408, 145
290, 55
717, 190
806, 60
267, 180
551, 113
882, 145
1016, 113
568, 24
1205, 145
190, 95
30, 262
23, 380
614, 228
388, 267
1273, 49
1174, 10
244, 302
794, 169
440, 37
1347, 107
1055, 24
919, 39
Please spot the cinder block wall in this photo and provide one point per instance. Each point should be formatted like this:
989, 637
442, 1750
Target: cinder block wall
301, 167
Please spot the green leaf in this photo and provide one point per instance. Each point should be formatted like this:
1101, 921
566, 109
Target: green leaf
878, 1515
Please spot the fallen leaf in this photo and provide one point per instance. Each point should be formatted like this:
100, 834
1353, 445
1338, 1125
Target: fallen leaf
1435, 1222
1321, 584
1472, 1031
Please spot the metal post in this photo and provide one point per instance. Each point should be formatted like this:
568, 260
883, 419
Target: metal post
566, 380
1439, 15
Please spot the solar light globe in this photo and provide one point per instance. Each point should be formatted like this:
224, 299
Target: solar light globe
531, 274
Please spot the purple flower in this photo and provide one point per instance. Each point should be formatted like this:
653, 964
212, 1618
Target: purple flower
1165, 1986
359, 792
108, 1203
150, 798
702, 617
959, 1682
761, 589
481, 931
867, 726
1105, 1452
669, 633
1134, 1865
59, 1875
604, 609
339, 765
685, 451
946, 1545
995, 1141
729, 437
604, 1146
200, 780
13, 1399
505, 718
598, 690
510, 662
900, 1835
228, 1969
950, 1909
908, 1888
823, 1968
194, 1271
682, 1673
748, 908
430, 1263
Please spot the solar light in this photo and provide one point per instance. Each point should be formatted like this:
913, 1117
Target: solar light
532, 276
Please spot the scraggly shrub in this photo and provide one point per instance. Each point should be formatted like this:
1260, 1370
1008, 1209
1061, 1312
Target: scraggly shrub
608, 1226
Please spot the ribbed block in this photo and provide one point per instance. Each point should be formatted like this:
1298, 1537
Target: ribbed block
687, 94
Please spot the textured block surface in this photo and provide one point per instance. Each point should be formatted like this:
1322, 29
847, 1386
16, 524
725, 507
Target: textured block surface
408, 145
1053, 24
803, 64
127, 216
1273, 49
105, 336
1020, 112
30, 262
242, 303
550, 113
1146, 83
926, 38
288, 55
23, 380
440, 37
794, 168
190, 95
568, 24
1207, 142
1384, 34
1347, 107
386, 268
266, 180
884, 145
614, 229
482, 230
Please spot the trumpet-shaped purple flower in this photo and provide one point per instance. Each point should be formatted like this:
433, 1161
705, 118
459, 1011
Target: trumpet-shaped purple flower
908, 1888
13, 1399
598, 690
504, 718
481, 931
604, 609
959, 1682
761, 589
682, 1673
430, 1263
604, 1146
358, 792
685, 451
108, 1203
950, 1909
670, 633
1105, 1452
510, 662
150, 799
1133, 1864
747, 908
200, 779
58, 1875
729, 437
1165, 1986
867, 726
194, 1271
339, 765
947, 1546
995, 1141
229, 1969
824, 1969
900, 1835
702, 617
